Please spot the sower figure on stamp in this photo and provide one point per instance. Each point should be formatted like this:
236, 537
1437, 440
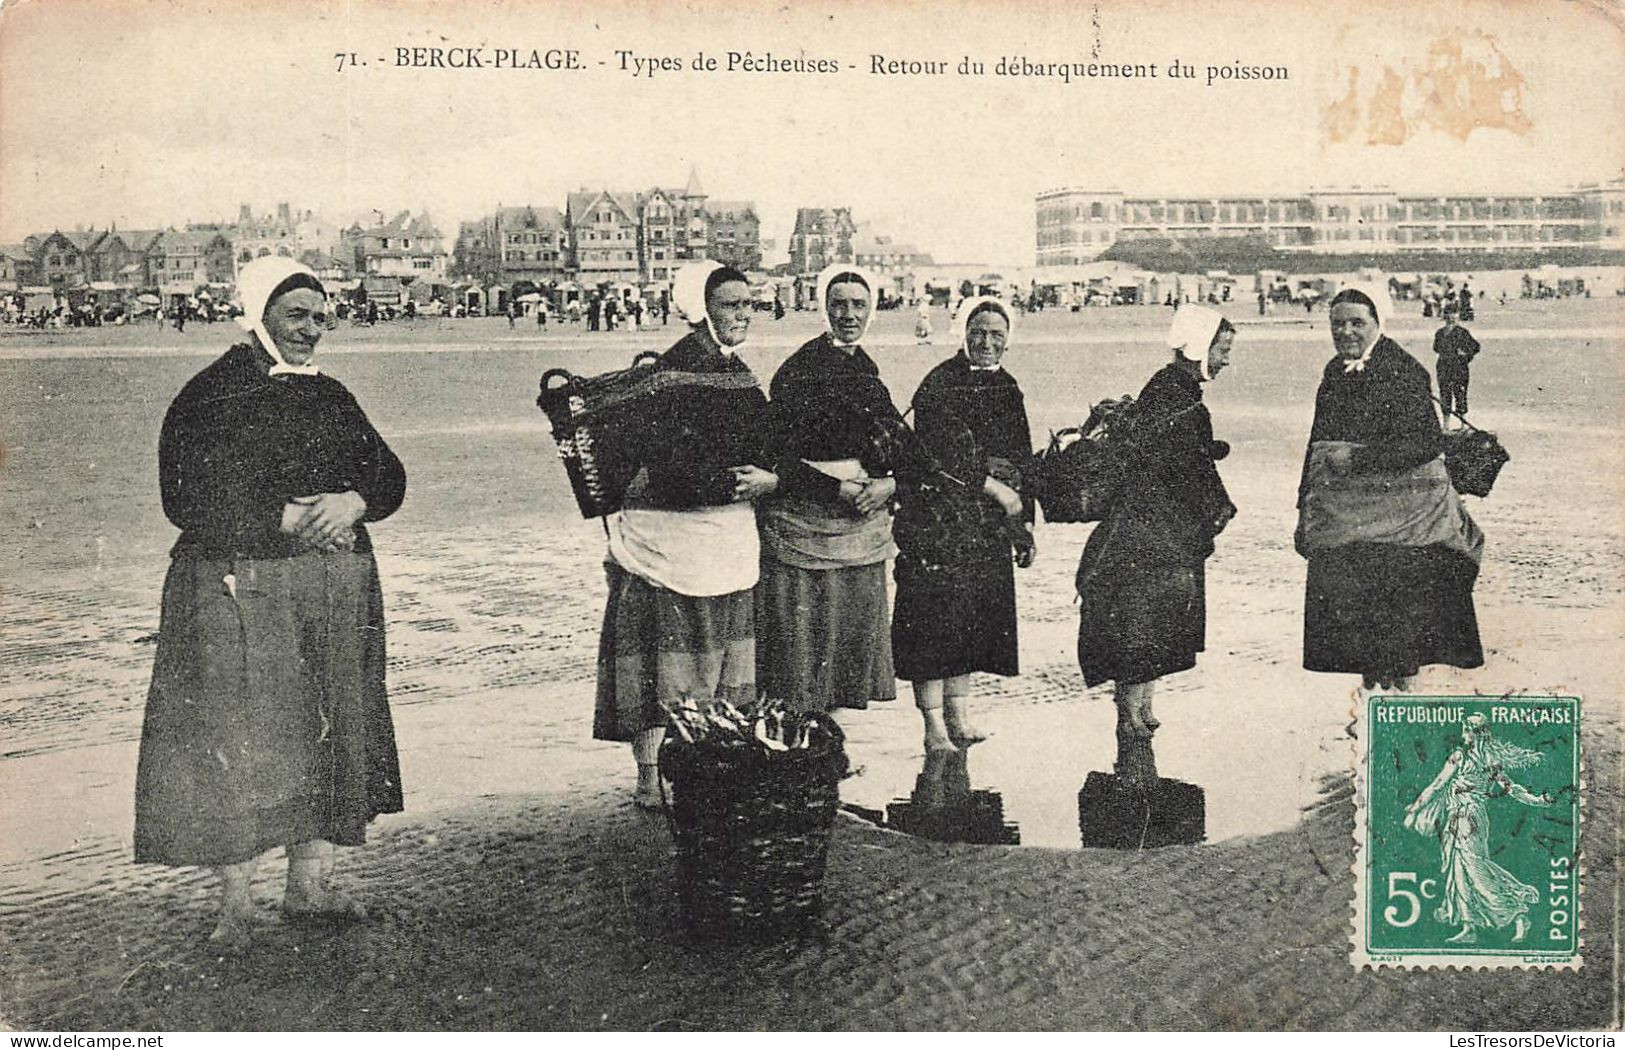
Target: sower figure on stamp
1455, 348
1478, 893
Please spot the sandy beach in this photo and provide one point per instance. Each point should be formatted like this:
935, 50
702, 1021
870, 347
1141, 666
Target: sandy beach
520, 890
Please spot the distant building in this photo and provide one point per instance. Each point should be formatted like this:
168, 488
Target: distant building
531, 245
668, 227
121, 258
474, 254
1075, 225
879, 254
403, 247
821, 236
63, 260
253, 238
17, 267
603, 234
326, 266
286, 232
181, 261
735, 234
663, 234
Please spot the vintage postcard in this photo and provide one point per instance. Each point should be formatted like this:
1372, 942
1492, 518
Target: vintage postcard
948, 515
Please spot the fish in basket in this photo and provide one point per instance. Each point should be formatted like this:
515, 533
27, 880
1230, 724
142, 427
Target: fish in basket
754, 795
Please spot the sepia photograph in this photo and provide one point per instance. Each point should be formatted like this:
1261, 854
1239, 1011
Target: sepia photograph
921, 515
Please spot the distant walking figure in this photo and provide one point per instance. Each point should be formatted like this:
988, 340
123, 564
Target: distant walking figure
1456, 348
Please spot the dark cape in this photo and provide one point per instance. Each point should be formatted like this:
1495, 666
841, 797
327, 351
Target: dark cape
692, 435
822, 633
1141, 581
956, 595
1376, 609
827, 404
267, 721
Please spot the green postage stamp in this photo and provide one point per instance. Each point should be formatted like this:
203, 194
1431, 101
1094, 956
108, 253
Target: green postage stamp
1467, 831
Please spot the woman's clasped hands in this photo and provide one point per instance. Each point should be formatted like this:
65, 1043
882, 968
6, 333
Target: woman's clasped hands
752, 483
867, 495
325, 521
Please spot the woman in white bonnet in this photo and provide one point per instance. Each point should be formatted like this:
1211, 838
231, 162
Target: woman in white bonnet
1390, 583
267, 722
960, 529
823, 623
1141, 581
682, 560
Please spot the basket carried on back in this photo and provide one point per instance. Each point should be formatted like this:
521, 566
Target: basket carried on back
752, 829
596, 421
1078, 476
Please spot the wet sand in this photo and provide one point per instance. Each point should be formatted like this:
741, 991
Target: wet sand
520, 889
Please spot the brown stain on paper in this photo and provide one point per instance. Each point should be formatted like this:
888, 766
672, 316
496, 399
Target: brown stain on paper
1466, 84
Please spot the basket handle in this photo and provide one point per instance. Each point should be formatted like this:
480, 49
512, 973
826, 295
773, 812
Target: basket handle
1453, 412
653, 357
550, 392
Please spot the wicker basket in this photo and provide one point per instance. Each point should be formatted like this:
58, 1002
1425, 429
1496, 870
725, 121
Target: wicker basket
1474, 459
752, 831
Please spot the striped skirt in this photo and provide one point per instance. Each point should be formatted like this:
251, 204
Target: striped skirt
659, 648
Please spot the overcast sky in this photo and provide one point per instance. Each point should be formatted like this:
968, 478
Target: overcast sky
156, 114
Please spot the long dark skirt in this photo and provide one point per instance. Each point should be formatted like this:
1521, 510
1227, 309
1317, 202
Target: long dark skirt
1137, 625
1372, 609
659, 648
267, 721
822, 637
948, 624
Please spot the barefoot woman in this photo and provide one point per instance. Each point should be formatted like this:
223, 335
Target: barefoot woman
1393, 556
683, 550
1141, 582
267, 723
959, 531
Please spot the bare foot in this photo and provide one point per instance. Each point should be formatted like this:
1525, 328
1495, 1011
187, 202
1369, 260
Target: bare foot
1147, 719
937, 735
1466, 936
648, 798
1520, 929
1134, 719
965, 735
233, 934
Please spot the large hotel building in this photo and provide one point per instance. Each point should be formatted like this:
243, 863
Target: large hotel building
1076, 226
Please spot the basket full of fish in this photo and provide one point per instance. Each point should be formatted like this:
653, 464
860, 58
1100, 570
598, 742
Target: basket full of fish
754, 794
